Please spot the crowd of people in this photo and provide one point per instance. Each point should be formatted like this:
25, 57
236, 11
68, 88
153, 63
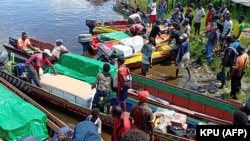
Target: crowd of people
223, 38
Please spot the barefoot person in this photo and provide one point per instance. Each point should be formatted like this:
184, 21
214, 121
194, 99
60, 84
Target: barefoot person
183, 55
24, 44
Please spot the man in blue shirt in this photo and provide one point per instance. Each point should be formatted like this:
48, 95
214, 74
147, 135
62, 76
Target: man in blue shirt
183, 54
147, 51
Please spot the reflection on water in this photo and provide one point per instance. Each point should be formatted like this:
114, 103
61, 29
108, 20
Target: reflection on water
48, 20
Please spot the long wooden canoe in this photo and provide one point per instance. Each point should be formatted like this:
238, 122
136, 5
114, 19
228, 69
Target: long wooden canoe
53, 123
161, 54
107, 119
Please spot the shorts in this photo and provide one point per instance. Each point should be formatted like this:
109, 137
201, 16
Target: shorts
123, 95
145, 67
197, 25
185, 60
100, 94
152, 18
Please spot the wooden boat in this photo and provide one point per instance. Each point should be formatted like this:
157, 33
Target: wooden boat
61, 98
161, 54
126, 12
53, 123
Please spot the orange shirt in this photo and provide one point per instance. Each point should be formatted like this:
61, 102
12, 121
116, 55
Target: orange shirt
121, 125
23, 44
241, 61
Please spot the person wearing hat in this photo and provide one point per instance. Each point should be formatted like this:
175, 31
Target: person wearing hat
183, 54
179, 5
58, 50
35, 63
155, 31
237, 71
212, 40
199, 15
209, 14
189, 15
142, 116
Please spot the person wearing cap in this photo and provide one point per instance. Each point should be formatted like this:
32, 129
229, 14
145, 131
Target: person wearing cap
199, 15
239, 27
141, 115
153, 13
237, 71
58, 50
36, 62
24, 44
155, 31
189, 15
183, 54
212, 40
123, 76
209, 14
134, 18
227, 27
121, 122
147, 51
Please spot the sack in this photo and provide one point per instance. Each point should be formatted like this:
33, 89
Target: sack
115, 81
221, 76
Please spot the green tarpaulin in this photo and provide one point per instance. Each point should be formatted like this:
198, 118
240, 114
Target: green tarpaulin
19, 118
113, 36
80, 67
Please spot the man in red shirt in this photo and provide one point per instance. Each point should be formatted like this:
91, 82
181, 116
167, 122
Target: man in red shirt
121, 123
142, 116
37, 61
209, 13
123, 77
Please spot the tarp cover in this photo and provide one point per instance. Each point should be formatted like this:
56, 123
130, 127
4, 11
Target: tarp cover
80, 67
242, 2
113, 36
19, 118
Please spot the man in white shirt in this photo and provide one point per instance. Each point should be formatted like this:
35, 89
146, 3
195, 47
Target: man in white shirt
58, 50
227, 27
200, 14
153, 13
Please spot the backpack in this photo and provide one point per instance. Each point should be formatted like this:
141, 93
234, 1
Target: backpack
228, 60
128, 80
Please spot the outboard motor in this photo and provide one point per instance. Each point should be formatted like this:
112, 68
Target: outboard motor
105, 54
4, 58
91, 25
86, 41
